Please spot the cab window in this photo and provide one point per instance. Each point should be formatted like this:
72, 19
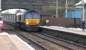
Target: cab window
32, 15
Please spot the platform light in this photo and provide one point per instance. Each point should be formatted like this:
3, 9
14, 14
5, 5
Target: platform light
47, 21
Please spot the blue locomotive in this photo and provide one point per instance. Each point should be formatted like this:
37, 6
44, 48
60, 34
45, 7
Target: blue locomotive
31, 20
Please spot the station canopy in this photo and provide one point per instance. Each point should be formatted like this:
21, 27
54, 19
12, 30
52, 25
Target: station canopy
14, 11
45, 7
80, 3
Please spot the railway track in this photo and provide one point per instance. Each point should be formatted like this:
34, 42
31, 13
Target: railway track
65, 36
49, 43
44, 41
43, 44
29, 41
69, 44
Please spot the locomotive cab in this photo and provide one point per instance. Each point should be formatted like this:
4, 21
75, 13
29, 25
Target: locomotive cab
30, 21
32, 18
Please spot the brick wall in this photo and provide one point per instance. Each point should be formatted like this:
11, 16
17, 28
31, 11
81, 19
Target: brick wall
61, 22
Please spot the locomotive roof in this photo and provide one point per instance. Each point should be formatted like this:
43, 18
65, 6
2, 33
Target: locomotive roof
31, 11
34, 11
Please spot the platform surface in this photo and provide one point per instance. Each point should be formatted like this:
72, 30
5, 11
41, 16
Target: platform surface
71, 30
6, 43
13, 42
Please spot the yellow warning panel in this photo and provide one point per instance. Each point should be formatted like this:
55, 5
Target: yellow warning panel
32, 21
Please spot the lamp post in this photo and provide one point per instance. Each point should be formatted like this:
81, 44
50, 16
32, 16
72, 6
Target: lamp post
0, 5
83, 15
0, 8
66, 6
56, 8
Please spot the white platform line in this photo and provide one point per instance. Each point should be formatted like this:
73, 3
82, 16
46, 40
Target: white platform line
3, 33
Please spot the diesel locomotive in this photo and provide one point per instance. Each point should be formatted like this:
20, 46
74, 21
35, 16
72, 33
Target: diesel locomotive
31, 21
28, 20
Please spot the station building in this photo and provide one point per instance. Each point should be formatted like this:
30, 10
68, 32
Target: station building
46, 8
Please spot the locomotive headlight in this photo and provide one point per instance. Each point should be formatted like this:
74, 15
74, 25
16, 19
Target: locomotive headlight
27, 23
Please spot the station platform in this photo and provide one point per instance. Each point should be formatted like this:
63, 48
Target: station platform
13, 42
64, 29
